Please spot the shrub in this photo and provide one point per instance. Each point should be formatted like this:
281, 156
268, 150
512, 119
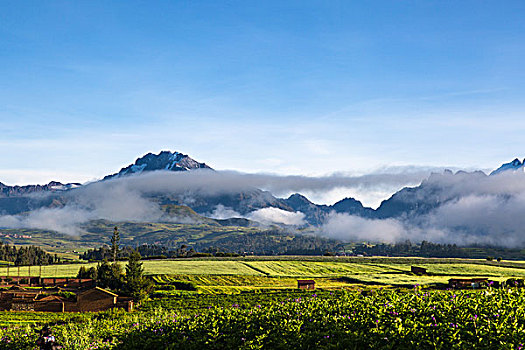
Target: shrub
180, 285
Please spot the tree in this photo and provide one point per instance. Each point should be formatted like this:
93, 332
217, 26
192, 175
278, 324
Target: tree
109, 275
87, 273
81, 272
115, 239
135, 284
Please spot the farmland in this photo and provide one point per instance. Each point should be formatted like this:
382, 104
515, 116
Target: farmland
347, 319
250, 303
282, 272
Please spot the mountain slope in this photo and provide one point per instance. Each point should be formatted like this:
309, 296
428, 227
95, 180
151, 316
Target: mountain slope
433, 192
201, 237
314, 213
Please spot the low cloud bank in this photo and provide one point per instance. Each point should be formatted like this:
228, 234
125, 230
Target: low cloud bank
220, 182
463, 208
264, 216
66, 220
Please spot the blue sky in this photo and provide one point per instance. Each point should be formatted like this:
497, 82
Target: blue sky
288, 87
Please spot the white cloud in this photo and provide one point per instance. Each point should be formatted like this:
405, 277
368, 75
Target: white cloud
277, 216
221, 212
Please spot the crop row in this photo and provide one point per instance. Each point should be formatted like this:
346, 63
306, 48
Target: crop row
379, 319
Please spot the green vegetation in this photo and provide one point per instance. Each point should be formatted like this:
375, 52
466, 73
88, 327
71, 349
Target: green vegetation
250, 303
115, 241
436, 250
135, 284
109, 275
348, 319
87, 273
29, 255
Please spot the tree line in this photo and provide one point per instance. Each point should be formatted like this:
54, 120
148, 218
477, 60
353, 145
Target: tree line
272, 242
427, 249
27, 255
149, 251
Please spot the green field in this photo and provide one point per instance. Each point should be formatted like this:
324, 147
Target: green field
269, 272
151, 267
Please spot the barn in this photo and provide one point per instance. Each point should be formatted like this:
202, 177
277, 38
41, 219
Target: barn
306, 284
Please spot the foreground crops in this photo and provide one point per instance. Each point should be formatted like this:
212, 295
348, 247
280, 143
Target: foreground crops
384, 319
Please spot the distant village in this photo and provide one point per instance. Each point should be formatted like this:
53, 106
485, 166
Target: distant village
14, 235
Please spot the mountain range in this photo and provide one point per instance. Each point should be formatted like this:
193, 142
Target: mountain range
407, 202
53, 186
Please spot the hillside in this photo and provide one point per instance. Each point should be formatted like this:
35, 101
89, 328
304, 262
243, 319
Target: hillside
201, 237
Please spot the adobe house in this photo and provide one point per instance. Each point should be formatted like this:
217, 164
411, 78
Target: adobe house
91, 300
96, 299
51, 303
18, 298
418, 270
45, 282
462, 283
306, 284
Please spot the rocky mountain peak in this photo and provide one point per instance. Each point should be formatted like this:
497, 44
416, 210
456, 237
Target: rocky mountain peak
298, 199
514, 165
165, 160
348, 205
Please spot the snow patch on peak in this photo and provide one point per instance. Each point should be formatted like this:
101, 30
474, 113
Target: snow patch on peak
137, 169
174, 160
